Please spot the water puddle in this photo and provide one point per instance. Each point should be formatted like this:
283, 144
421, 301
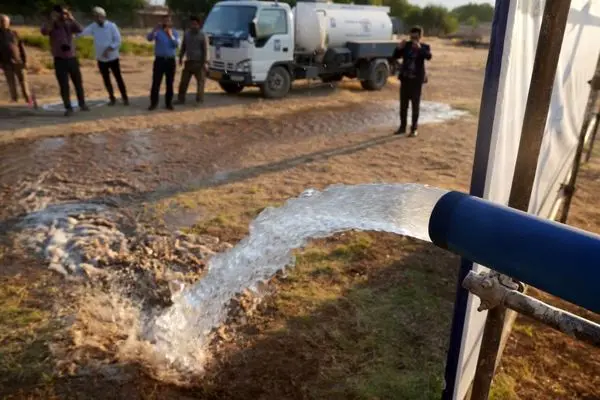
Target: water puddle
49, 145
59, 107
174, 155
140, 147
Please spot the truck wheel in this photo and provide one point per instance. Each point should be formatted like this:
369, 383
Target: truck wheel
231, 87
379, 73
278, 83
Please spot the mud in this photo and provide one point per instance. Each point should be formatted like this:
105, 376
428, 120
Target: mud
60, 198
59, 107
122, 273
104, 164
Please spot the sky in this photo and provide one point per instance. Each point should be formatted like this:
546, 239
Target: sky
422, 3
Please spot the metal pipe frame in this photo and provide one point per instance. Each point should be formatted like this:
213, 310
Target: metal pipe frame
554, 21
493, 292
569, 188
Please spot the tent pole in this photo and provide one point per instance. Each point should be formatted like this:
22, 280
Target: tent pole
593, 138
569, 188
554, 21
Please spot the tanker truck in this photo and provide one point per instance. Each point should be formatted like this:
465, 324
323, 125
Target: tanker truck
269, 45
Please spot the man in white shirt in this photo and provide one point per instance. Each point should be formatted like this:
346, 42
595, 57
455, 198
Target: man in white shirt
107, 41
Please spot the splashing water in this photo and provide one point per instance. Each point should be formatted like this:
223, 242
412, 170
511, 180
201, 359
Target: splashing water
181, 332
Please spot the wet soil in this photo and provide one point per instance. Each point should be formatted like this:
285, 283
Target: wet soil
147, 160
139, 155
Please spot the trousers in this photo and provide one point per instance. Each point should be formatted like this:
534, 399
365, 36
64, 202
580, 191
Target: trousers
14, 73
106, 67
66, 68
410, 92
195, 69
162, 67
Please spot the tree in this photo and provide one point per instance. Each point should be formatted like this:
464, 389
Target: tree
111, 6
483, 12
36, 7
27, 7
398, 8
436, 20
473, 22
198, 7
451, 24
413, 16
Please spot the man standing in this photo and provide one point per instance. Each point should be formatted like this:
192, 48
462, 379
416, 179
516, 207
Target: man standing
61, 29
195, 48
13, 60
107, 41
166, 41
412, 77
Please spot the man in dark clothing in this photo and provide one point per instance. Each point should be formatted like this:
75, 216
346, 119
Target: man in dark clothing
412, 77
13, 60
166, 41
195, 48
61, 29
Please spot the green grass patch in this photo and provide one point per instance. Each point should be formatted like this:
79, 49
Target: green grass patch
504, 388
85, 46
381, 336
26, 328
472, 109
525, 329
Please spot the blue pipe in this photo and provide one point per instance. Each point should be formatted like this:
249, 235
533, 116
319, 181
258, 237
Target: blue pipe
553, 257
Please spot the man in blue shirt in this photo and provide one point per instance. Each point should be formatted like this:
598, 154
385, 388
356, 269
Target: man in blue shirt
166, 41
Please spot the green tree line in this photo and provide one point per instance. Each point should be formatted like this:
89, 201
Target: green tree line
435, 20
29, 8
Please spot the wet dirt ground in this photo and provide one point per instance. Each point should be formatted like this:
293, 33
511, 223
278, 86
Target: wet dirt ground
128, 168
181, 156
247, 154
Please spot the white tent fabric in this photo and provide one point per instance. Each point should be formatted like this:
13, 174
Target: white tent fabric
579, 55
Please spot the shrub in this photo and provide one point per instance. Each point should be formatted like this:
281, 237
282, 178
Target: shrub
85, 46
38, 41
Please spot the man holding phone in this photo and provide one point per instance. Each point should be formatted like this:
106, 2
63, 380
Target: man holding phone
166, 41
412, 77
61, 29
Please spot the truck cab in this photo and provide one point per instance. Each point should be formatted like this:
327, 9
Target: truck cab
269, 45
247, 39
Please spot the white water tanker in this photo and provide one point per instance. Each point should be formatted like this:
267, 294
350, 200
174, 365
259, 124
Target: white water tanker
322, 25
269, 45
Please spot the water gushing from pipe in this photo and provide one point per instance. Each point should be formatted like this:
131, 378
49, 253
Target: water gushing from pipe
180, 333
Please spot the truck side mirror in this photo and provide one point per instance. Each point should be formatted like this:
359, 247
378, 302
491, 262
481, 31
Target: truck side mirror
252, 29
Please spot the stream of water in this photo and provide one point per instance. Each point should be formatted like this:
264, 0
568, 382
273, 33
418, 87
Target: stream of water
181, 332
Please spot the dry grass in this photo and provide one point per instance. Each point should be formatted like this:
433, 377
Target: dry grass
27, 327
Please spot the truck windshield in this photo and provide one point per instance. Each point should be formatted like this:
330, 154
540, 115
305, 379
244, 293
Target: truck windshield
229, 20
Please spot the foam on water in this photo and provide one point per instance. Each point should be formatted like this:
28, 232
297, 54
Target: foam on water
61, 233
180, 333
